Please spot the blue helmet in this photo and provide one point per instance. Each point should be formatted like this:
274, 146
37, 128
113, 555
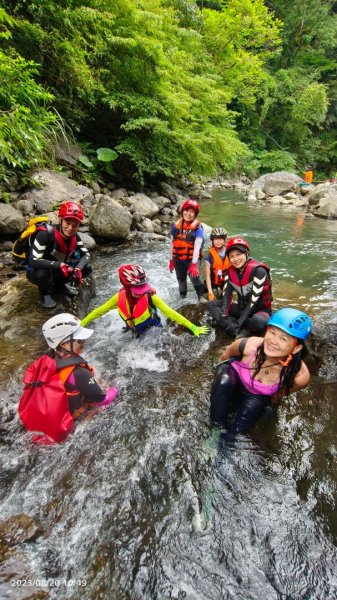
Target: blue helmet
292, 321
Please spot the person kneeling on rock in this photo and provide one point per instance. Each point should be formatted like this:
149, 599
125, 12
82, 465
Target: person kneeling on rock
138, 304
58, 260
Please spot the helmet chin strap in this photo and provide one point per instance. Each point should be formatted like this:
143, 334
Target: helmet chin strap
65, 350
285, 363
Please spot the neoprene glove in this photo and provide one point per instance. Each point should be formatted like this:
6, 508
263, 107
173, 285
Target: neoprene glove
211, 296
110, 396
193, 270
203, 330
66, 271
171, 266
78, 275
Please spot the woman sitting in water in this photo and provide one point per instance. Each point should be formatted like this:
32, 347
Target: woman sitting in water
259, 371
137, 304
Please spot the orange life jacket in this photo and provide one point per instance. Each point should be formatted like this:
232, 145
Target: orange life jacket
183, 239
142, 315
218, 267
64, 374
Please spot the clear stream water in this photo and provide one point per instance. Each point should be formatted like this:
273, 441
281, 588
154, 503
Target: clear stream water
140, 502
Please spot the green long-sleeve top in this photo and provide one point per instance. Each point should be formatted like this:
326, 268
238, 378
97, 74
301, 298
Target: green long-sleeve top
112, 303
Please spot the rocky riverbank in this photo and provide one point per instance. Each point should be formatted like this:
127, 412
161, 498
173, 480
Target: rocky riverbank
111, 215
114, 215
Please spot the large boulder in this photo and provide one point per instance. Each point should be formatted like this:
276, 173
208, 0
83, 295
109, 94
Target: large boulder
67, 152
161, 201
169, 191
275, 184
109, 219
11, 220
54, 188
327, 206
87, 240
142, 206
321, 191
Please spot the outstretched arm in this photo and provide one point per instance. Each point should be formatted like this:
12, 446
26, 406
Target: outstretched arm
101, 310
177, 317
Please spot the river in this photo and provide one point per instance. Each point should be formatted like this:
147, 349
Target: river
140, 503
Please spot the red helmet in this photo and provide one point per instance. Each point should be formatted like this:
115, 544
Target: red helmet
239, 243
130, 275
71, 210
191, 204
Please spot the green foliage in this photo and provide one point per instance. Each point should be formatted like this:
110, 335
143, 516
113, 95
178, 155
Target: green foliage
106, 154
268, 162
5, 197
165, 88
84, 160
26, 122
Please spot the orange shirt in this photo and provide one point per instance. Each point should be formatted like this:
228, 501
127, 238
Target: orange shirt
308, 176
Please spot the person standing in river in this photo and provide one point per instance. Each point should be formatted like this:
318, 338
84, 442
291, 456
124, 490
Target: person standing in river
138, 304
187, 238
257, 372
251, 280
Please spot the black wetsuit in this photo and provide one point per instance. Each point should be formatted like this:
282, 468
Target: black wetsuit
46, 254
84, 388
253, 309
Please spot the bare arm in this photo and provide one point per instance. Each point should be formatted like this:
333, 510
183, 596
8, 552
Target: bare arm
301, 380
231, 351
234, 350
208, 276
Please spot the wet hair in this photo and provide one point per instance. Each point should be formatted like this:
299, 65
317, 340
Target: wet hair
289, 372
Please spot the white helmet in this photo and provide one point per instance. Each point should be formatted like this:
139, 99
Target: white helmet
62, 327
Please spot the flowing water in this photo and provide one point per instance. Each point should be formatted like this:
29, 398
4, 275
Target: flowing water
142, 502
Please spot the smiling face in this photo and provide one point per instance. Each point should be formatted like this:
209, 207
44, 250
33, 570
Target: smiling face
69, 227
189, 215
278, 344
237, 258
218, 242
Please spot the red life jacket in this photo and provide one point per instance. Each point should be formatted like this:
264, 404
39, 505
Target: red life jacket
248, 287
62, 250
218, 267
184, 238
43, 406
142, 315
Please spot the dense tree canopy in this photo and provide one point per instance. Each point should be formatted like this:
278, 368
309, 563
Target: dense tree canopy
172, 87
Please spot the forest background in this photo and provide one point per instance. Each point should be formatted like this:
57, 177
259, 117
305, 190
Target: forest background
166, 89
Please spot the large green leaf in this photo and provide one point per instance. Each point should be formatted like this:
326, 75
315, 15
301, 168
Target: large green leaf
106, 154
85, 161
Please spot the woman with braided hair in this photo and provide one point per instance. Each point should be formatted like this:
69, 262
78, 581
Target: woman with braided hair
257, 372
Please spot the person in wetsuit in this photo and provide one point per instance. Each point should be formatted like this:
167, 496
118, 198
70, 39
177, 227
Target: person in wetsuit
58, 259
250, 280
258, 372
